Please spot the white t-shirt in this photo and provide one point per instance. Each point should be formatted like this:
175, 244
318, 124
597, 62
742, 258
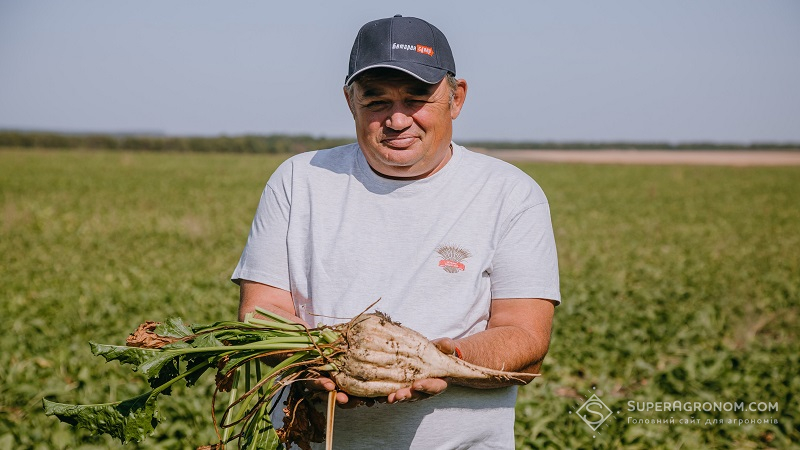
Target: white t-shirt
435, 251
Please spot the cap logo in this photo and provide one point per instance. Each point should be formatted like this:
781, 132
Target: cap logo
425, 49
419, 48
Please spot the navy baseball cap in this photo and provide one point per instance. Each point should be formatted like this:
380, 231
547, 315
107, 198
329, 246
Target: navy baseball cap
404, 43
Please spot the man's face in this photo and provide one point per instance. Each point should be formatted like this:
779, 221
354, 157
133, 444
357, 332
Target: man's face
404, 126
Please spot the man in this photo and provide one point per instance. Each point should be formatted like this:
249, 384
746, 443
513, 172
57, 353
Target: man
456, 245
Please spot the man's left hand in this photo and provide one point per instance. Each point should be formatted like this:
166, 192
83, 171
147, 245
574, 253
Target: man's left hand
427, 387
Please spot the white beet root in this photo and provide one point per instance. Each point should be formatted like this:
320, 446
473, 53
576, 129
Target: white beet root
382, 356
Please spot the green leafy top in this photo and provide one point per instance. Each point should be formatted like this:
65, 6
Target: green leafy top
171, 351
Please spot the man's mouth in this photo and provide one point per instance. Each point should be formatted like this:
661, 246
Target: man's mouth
399, 142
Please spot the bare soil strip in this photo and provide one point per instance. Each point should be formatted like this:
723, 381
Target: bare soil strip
677, 157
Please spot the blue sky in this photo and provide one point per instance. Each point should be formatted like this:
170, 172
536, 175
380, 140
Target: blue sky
722, 70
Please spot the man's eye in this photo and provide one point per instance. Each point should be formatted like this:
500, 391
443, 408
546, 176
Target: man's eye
376, 104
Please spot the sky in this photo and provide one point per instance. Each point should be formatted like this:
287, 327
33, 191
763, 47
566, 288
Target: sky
636, 70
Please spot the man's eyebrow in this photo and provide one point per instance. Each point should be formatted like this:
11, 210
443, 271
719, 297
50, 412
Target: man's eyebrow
413, 89
372, 92
421, 89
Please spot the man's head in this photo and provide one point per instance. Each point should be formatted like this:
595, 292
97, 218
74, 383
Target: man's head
403, 94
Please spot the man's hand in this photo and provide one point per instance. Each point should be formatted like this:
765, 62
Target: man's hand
418, 390
428, 387
323, 384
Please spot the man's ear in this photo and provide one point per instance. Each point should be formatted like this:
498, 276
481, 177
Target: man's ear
459, 96
349, 101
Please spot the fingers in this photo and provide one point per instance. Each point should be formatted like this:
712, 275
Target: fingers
430, 386
353, 402
320, 384
324, 385
343, 399
445, 345
349, 402
421, 389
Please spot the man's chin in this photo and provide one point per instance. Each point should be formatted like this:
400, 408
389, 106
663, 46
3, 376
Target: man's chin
397, 169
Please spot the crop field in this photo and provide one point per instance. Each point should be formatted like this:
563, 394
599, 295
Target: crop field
681, 288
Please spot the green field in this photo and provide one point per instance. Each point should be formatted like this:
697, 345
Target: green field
680, 284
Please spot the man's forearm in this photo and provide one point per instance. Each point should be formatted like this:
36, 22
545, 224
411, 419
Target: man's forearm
516, 340
279, 301
504, 348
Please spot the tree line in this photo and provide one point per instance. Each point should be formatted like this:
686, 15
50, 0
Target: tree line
284, 143
629, 145
278, 143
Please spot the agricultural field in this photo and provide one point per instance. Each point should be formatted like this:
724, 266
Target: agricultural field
681, 287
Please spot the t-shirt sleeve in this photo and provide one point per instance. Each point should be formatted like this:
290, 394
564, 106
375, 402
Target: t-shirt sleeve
525, 264
265, 258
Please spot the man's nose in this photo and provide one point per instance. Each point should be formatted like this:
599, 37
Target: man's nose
399, 120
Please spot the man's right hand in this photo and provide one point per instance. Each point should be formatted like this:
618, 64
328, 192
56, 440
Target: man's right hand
324, 385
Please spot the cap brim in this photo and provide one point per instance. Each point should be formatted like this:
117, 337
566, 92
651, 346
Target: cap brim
427, 74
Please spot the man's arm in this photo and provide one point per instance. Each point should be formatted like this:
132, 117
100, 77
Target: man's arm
279, 301
516, 340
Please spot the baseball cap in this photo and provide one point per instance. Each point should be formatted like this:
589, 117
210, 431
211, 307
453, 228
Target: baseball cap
408, 44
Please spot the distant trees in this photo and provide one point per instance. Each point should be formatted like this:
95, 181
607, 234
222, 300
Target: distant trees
623, 145
283, 143
277, 143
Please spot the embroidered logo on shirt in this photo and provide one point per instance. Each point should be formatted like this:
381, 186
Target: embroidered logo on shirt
453, 257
